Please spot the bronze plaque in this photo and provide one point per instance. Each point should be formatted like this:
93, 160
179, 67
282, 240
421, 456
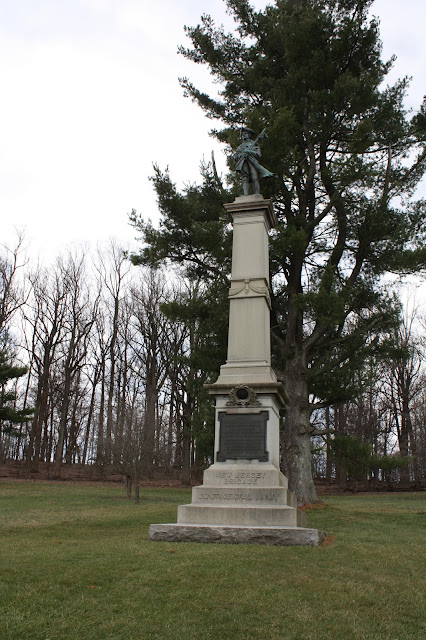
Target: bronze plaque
242, 436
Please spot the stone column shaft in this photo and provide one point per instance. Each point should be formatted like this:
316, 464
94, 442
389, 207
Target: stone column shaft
249, 346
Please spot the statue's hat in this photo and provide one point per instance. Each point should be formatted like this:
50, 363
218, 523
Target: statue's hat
250, 131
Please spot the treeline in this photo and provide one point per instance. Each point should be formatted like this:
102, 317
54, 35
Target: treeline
115, 378
380, 436
110, 377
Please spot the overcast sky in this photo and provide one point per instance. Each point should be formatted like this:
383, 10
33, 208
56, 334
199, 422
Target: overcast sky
90, 99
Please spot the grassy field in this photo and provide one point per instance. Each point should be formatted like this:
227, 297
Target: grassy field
76, 564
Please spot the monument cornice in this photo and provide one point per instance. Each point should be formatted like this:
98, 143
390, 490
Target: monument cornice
251, 205
263, 388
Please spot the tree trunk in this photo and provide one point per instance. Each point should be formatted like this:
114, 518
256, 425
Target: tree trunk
414, 453
72, 448
329, 459
128, 486
339, 428
404, 472
90, 417
111, 387
149, 422
297, 440
121, 408
100, 443
62, 425
136, 479
169, 455
33, 455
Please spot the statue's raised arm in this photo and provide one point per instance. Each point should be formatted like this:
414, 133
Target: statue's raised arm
246, 158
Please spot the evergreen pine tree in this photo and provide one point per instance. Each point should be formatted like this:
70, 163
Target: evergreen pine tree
349, 157
9, 415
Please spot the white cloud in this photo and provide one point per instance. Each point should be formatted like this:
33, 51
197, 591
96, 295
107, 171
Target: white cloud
91, 99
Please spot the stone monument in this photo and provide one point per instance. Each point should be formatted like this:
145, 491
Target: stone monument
244, 497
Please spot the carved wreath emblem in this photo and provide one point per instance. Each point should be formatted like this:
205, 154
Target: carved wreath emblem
242, 396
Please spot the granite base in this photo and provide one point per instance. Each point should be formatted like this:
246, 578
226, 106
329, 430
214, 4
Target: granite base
233, 534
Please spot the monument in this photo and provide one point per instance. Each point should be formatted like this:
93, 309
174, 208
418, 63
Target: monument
244, 497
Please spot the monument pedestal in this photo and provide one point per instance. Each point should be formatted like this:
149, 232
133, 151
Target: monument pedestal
244, 497
241, 501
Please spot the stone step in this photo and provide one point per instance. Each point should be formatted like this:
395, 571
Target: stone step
243, 496
282, 536
262, 516
241, 475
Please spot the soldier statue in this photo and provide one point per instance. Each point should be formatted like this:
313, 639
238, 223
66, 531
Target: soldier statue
247, 163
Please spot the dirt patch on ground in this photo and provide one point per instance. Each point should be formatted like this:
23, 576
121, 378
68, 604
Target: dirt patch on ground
328, 541
312, 507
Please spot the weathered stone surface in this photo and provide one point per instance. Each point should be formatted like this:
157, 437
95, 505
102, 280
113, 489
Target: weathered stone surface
243, 496
249, 350
260, 516
279, 536
250, 474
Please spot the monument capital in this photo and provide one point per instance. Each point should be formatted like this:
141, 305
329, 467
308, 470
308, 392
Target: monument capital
252, 204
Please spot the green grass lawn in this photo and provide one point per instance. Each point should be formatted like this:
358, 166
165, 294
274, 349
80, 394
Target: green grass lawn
76, 564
